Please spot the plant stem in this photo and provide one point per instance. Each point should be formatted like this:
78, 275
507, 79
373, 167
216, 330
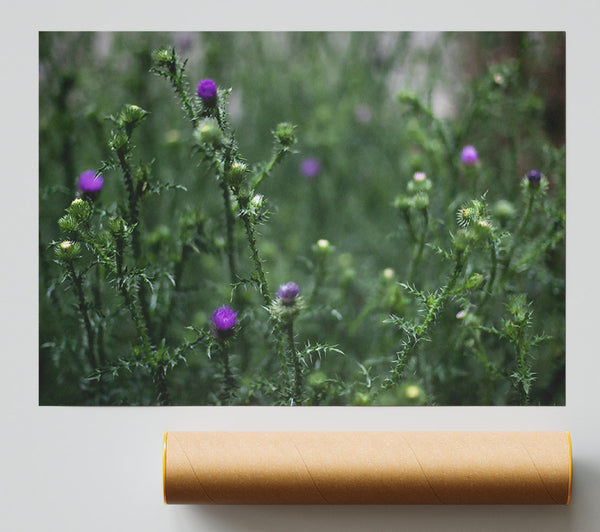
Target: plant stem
261, 279
419, 332
229, 227
160, 380
297, 392
83, 308
420, 245
228, 380
518, 234
267, 169
494, 262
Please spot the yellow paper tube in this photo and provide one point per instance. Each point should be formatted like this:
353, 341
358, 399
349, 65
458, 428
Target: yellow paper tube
367, 468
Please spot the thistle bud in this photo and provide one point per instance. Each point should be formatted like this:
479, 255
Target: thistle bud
388, 274
411, 394
461, 240
285, 135
288, 303
223, 322
474, 281
419, 183
287, 292
504, 210
80, 210
207, 91
90, 183
163, 57
421, 201
322, 248
131, 116
235, 174
209, 132
534, 177
317, 380
361, 399
117, 227
403, 203
469, 156
68, 250
310, 168
68, 224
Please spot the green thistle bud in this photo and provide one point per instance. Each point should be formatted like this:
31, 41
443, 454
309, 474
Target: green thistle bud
163, 57
388, 274
404, 203
68, 250
419, 183
361, 399
504, 210
285, 135
470, 213
317, 380
474, 281
131, 116
79, 209
68, 224
235, 174
462, 239
117, 227
411, 394
483, 228
421, 201
322, 248
208, 132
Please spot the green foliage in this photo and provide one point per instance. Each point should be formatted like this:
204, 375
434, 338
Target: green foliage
423, 280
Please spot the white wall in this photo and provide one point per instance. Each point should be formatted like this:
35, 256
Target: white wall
99, 469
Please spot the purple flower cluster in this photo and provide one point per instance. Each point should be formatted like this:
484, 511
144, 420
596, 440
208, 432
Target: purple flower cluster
207, 90
89, 182
310, 167
287, 292
224, 319
534, 176
469, 155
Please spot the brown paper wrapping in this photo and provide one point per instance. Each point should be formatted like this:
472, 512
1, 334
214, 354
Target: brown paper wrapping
367, 467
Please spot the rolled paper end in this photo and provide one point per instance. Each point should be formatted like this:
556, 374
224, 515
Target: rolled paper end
164, 467
570, 467
367, 468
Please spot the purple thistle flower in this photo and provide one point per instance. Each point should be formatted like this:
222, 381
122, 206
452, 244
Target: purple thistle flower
207, 90
287, 292
469, 155
310, 167
534, 176
224, 319
89, 182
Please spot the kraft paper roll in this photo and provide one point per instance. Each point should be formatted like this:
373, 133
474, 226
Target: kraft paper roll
367, 467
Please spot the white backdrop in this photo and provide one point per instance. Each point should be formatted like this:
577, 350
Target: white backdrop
99, 469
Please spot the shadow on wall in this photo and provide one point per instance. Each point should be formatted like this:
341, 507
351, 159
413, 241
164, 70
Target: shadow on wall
381, 518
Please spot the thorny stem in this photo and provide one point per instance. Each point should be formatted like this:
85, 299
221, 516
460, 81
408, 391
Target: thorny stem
419, 332
228, 380
160, 380
518, 234
420, 245
494, 262
267, 169
296, 364
83, 308
262, 282
229, 227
